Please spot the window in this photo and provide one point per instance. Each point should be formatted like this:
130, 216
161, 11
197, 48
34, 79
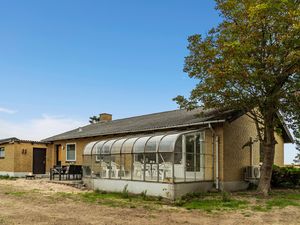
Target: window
71, 152
2, 152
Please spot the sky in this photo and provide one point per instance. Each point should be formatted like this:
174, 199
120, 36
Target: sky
62, 61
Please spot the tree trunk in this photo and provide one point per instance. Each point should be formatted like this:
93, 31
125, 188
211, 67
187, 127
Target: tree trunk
268, 159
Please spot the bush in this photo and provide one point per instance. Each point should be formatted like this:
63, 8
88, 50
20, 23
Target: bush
226, 196
125, 193
287, 177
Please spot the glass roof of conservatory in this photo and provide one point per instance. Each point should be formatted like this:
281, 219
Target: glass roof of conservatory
139, 144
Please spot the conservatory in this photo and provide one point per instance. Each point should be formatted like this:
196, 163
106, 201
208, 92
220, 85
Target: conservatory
156, 163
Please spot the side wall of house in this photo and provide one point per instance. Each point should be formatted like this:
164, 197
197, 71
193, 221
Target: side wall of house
80, 144
236, 158
7, 163
24, 156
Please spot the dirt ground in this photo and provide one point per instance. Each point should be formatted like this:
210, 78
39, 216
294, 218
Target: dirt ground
40, 206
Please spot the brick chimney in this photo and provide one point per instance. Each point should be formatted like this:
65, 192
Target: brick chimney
104, 117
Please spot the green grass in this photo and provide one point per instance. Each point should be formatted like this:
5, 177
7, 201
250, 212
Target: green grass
208, 202
6, 177
16, 193
215, 204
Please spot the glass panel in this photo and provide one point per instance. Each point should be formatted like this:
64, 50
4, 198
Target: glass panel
96, 169
178, 167
88, 148
116, 148
151, 166
115, 166
71, 152
165, 167
138, 166
140, 144
167, 143
97, 148
86, 167
128, 145
190, 158
104, 166
152, 144
106, 147
2, 152
126, 165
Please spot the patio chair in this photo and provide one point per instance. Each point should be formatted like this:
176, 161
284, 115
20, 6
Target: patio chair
138, 169
105, 169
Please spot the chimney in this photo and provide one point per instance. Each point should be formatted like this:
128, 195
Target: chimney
104, 117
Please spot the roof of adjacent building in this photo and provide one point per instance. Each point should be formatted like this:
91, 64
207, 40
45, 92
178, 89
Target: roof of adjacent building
150, 122
14, 139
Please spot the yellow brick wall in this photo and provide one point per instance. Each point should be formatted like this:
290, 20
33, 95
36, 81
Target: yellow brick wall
15, 160
7, 164
236, 134
24, 162
80, 144
279, 151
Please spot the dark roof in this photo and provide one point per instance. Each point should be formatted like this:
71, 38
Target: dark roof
151, 122
14, 139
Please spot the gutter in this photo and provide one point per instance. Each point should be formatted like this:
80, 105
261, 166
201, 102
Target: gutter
215, 148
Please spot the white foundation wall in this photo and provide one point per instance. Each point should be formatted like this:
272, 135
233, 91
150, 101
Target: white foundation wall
170, 191
14, 174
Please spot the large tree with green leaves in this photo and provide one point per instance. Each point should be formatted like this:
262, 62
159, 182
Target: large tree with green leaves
250, 62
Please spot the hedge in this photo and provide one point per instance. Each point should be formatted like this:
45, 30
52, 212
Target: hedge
287, 177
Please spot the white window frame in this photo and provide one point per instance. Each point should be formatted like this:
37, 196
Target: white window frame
2, 150
68, 160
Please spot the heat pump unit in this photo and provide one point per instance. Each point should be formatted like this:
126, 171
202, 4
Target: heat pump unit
252, 172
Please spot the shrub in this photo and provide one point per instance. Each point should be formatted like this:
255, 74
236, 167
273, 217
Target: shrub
125, 193
144, 195
288, 177
226, 196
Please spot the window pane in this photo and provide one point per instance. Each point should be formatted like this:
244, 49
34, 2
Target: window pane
116, 148
138, 166
140, 144
71, 152
104, 166
126, 161
128, 145
153, 143
115, 166
167, 143
88, 148
151, 168
106, 147
165, 167
2, 152
178, 167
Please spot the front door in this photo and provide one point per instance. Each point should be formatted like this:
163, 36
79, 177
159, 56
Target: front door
58, 155
39, 161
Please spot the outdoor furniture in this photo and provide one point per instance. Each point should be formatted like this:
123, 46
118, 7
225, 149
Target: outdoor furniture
71, 172
30, 177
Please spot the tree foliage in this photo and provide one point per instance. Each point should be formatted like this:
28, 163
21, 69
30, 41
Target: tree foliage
250, 62
94, 119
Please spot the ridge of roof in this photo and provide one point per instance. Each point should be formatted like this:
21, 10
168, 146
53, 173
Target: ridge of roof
148, 122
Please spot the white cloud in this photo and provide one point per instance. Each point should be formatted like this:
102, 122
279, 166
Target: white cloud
39, 128
5, 110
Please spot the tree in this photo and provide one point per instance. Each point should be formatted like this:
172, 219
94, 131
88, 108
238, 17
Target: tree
250, 62
94, 119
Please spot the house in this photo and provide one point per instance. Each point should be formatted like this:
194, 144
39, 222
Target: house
167, 154
19, 158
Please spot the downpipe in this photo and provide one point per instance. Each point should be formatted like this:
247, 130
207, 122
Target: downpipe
215, 149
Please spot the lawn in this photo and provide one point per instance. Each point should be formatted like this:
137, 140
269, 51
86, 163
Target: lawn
41, 202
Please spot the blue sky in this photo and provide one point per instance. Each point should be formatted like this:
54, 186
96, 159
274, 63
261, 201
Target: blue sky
63, 61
